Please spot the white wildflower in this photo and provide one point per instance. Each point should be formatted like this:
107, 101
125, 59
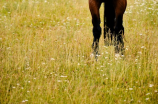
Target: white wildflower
59, 81
143, 47
52, 59
63, 76
151, 85
23, 101
147, 99
148, 94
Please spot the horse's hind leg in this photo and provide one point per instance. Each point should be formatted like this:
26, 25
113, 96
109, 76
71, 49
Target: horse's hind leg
109, 18
120, 7
119, 33
94, 6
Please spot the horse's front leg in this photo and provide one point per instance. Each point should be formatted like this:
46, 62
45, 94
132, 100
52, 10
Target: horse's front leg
96, 35
94, 6
119, 33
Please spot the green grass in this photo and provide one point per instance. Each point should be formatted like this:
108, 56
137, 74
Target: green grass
45, 48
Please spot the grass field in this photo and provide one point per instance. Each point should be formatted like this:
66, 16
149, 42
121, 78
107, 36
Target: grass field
45, 48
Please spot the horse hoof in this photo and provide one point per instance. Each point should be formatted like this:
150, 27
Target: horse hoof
94, 56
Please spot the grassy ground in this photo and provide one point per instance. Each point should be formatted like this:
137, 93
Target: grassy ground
45, 48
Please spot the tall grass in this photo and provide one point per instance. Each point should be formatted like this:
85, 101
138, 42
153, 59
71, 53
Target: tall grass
45, 48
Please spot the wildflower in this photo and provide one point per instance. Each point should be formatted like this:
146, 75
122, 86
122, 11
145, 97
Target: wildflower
92, 55
8, 48
106, 52
68, 18
148, 94
151, 85
106, 57
105, 46
130, 88
52, 59
63, 76
23, 101
147, 99
14, 87
140, 52
59, 81
143, 47
155, 90
66, 80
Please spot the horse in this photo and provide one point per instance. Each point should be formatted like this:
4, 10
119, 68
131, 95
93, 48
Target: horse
113, 24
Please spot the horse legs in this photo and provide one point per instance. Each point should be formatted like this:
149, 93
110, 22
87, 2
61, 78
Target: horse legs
119, 33
109, 18
94, 6
120, 8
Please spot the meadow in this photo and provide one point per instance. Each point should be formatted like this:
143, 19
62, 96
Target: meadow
45, 48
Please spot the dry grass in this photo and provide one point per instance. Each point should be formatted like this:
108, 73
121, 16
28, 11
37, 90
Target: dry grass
45, 48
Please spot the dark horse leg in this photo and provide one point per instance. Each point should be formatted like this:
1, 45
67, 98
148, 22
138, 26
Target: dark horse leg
119, 33
113, 23
94, 6
109, 19
118, 27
